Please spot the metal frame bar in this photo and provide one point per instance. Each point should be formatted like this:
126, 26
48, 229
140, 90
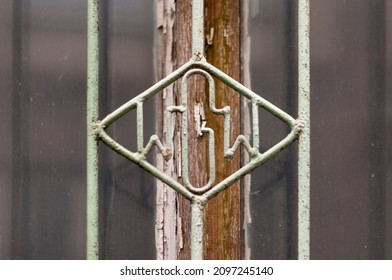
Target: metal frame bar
92, 117
199, 196
304, 139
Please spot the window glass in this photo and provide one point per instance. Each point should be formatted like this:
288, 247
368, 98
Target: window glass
43, 148
271, 41
351, 196
43, 116
128, 192
351, 117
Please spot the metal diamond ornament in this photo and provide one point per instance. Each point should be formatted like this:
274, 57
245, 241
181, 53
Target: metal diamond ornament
165, 146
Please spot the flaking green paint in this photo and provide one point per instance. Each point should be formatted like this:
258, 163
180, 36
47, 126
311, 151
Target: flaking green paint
92, 117
304, 139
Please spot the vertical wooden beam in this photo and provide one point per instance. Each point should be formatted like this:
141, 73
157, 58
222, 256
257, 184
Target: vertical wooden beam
182, 53
223, 213
223, 230
166, 210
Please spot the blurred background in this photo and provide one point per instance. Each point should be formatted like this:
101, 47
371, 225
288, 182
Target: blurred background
351, 128
43, 123
43, 144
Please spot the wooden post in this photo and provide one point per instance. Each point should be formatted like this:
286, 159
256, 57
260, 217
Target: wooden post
222, 234
223, 214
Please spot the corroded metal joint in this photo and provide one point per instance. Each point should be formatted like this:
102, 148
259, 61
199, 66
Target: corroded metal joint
299, 126
198, 56
167, 154
95, 129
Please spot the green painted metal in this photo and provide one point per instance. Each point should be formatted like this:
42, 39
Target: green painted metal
304, 139
92, 117
184, 134
197, 230
198, 29
198, 195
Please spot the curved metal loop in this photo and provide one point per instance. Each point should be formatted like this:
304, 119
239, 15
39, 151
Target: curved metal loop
184, 132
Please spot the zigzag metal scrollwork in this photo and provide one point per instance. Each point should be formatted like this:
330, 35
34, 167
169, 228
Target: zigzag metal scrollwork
210, 190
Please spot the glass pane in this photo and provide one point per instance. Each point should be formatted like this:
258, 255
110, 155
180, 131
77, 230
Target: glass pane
128, 192
351, 171
273, 75
43, 85
6, 118
351, 110
43, 116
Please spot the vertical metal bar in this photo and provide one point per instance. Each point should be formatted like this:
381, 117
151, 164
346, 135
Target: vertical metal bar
92, 117
304, 139
198, 52
197, 231
198, 28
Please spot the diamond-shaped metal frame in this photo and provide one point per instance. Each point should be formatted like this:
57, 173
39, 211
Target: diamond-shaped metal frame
205, 193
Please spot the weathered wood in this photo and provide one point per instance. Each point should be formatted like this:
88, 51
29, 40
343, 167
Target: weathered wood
223, 213
167, 234
196, 95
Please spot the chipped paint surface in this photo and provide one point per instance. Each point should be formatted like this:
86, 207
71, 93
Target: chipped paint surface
198, 29
200, 118
246, 129
167, 220
92, 116
304, 139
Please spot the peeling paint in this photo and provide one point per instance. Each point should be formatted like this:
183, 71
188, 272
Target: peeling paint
166, 211
92, 246
200, 118
304, 139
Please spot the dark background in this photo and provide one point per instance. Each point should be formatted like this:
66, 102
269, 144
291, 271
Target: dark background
43, 128
351, 171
